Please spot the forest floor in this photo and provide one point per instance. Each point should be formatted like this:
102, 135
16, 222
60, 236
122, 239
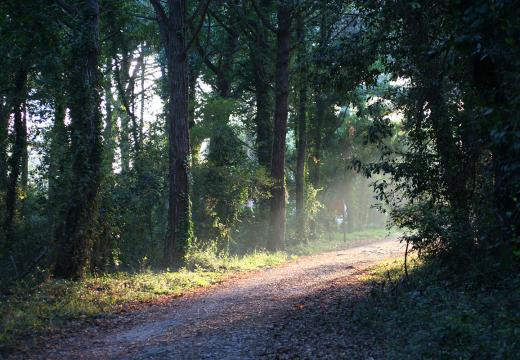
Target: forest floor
301, 309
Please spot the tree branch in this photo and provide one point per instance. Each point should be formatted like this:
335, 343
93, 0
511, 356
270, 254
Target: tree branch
159, 11
222, 23
262, 17
205, 58
199, 27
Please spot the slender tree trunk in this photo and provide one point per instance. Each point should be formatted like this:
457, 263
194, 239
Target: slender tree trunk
121, 79
301, 143
264, 125
318, 130
142, 79
77, 236
25, 152
136, 129
173, 32
321, 100
277, 217
260, 60
15, 161
263, 119
4, 122
24, 178
108, 132
57, 175
194, 72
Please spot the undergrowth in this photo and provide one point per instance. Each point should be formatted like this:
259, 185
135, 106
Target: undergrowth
423, 316
30, 309
54, 303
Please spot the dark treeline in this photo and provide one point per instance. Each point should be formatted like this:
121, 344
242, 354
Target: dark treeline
133, 131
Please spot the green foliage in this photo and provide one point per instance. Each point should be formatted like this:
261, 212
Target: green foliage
425, 317
210, 259
451, 180
54, 303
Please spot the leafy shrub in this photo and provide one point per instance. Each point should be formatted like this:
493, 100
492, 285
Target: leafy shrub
426, 318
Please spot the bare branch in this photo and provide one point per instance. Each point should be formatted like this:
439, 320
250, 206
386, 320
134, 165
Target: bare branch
199, 10
205, 58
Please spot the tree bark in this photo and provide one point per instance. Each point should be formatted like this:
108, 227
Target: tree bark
124, 85
194, 65
25, 152
108, 132
318, 129
142, 80
4, 122
321, 101
57, 176
301, 143
277, 216
263, 120
78, 231
15, 161
173, 32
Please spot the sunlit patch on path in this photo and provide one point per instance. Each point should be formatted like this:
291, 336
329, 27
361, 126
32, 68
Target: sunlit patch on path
298, 309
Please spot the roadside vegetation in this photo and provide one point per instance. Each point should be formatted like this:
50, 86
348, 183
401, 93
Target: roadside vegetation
57, 303
427, 315
141, 136
54, 304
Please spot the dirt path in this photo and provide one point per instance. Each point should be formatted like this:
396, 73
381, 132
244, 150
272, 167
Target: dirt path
298, 310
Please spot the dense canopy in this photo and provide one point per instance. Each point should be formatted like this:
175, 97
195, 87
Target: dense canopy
132, 132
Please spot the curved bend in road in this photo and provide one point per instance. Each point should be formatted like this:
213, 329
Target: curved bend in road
300, 310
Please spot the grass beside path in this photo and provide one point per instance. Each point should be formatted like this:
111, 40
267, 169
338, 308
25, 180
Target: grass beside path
56, 303
336, 241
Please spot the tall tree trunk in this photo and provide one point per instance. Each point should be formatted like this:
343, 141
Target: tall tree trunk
124, 143
15, 161
173, 31
318, 130
142, 80
4, 122
301, 142
25, 152
78, 231
121, 78
194, 72
24, 178
264, 124
108, 132
57, 175
263, 119
277, 217
321, 101
4, 125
